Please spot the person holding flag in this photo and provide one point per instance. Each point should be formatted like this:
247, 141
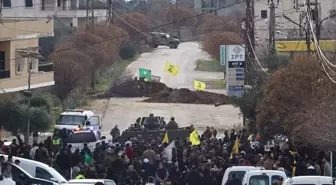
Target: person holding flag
194, 139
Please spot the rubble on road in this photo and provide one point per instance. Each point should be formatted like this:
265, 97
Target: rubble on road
133, 88
188, 96
160, 93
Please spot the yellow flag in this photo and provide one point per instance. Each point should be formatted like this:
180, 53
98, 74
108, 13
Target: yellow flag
171, 69
235, 148
165, 138
199, 85
194, 139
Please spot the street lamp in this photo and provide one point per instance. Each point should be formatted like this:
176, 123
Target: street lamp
26, 53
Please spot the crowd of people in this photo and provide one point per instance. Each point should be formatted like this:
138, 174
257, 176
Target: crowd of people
143, 161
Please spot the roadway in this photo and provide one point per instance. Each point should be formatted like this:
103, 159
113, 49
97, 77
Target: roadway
124, 111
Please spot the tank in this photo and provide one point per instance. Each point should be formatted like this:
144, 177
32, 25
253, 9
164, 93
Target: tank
154, 128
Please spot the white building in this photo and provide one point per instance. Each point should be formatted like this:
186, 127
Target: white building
285, 29
67, 11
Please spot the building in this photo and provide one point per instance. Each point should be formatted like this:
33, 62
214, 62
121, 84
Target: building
71, 12
16, 36
284, 28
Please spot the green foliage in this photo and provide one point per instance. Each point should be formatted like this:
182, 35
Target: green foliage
38, 101
127, 50
209, 65
14, 115
253, 95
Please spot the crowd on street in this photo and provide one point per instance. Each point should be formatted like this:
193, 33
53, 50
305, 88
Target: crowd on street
141, 161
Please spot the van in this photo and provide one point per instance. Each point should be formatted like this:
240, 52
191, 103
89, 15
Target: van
72, 118
39, 170
6, 181
309, 180
19, 175
263, 177
238, 171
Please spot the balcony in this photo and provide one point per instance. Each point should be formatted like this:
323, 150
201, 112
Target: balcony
4, 74
45, 67
28, 29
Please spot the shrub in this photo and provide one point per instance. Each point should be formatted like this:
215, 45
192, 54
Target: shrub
127, 50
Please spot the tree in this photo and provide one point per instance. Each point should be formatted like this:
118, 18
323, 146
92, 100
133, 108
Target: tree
136, 24
180, 16
14, 117
212, 42
208, 24
288, 95
119, 36
70, 71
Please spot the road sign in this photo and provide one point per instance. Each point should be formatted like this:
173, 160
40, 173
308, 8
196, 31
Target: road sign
235, 68
235, 90
222, 54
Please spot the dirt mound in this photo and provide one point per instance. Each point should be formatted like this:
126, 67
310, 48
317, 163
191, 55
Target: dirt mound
188, 96
135, 88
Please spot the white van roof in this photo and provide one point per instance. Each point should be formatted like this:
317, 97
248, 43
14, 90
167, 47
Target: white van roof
77, 112
265, 171
243, 168
308, 180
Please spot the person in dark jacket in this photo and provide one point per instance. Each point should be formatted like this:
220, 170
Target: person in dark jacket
64, 164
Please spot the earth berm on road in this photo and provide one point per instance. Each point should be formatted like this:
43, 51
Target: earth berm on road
124, 111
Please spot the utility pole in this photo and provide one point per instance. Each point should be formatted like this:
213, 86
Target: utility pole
249, 28
176, 20
90, 15
27, 53
308, 34
271, 44
109, 12
249, 46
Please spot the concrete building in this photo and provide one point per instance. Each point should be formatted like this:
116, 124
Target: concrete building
71, 12
285, 29
16, 36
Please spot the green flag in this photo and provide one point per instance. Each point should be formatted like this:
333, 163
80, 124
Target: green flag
88, 159
145, 73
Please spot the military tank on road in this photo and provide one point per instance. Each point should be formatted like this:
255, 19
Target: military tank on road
153, 127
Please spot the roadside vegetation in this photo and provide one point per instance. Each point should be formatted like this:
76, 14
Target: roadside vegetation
209, 66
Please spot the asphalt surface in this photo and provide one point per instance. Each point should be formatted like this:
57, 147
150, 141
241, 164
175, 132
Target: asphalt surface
124, 111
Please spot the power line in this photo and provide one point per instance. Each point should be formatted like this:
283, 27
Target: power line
133, 33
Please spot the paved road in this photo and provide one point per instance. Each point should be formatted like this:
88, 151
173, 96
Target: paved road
184, 57
124, 111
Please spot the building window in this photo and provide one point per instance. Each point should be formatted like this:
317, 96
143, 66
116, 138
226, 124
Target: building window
43, 4
2, 60
264, 14
19, 63
29, 3
58, 3
7, 3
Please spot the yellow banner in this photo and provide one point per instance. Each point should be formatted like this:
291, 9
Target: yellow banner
199, 85
171, 69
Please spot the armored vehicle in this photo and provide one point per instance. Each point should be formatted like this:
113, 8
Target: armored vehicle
154, 128
163, 39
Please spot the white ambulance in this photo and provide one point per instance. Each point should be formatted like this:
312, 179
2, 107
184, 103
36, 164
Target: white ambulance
72, 118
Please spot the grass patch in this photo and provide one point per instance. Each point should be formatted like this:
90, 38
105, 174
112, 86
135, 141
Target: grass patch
106, 77
209, 66
219, 83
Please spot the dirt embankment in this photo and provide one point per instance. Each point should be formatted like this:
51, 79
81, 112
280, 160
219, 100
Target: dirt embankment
159, 93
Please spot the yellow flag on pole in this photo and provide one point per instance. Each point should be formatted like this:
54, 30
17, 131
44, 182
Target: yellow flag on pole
235, 149
194, 139
171, 69
165, 138
199, 85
